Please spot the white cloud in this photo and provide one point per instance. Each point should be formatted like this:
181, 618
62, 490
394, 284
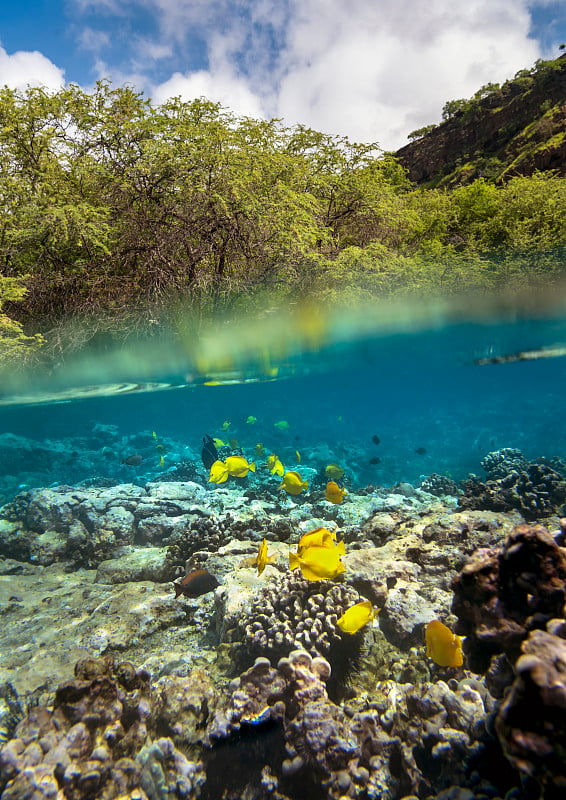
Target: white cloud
29, 68
93, 40
376, 71
219, 86
373, 70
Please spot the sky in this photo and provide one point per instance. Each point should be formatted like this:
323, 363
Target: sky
371, 70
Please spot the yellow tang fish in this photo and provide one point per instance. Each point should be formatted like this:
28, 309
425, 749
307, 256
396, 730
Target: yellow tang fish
319, 537
334, 494
355, 617
225, 425
318, 563
218, 442
259, 450
154, 435
218, 472
333, 472
275, 465
282, 425
161, 461
238, 466
251, 420
443, 646
293, 483
298, 456
263, 557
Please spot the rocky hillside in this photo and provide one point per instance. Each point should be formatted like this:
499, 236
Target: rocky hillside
502, 131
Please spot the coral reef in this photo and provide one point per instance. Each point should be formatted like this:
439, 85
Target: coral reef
439, 485
94, 742
535, 491
499, 463
299, 614
399, 739
530, 720
208, 534
503, 593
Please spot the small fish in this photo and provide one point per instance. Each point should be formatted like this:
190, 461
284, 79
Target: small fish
219, 442
293, 483
218, 472
132, 461
275, 465
154, 435
251, 420
443, 646
160, 448
195, 583
259, 450
334, 494
161, 461
375, 460
263, 558
355, 617
420, 451
333, 472
319, 537
238, 466
318, 563
297, 456
375, 439
282, 425
209, 453
225, 425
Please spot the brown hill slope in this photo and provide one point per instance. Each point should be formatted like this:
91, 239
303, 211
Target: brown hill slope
513, 129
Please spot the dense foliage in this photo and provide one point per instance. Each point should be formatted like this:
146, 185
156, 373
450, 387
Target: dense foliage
116, 210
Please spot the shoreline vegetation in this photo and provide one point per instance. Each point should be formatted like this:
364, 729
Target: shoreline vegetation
118, 213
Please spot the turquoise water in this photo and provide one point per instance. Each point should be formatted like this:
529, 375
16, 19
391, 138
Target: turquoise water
425, 387
390, 395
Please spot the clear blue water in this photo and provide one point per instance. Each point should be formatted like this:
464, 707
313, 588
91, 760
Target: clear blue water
418, 387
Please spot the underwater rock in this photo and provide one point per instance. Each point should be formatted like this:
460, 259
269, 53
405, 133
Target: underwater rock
503, 593
536, 491
530, 720
182, 706
404, 615
143, 564
179, 492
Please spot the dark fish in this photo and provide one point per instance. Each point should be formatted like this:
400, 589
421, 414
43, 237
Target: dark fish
375, 460
195, 583
420, 451
133, 461
375, 439
209, 453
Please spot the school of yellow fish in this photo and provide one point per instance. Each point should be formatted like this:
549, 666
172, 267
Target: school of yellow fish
318, 554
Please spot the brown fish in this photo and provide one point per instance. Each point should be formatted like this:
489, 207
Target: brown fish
133, 461
195, 583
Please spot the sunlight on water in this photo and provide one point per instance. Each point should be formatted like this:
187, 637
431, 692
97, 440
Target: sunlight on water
302, 338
